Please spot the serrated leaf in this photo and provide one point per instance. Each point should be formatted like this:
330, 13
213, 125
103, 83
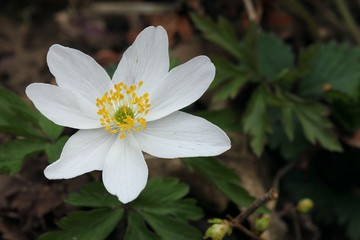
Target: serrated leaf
93, 195
13, 153
273, 55
53, 150
255, 120
90, 225
317, 128
137, 230
335, 65
171, 228
221, 33
224, 178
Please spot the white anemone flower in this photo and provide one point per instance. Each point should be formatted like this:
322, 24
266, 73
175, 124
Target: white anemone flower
135, 112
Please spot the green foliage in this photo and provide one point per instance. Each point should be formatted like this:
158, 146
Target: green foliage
346, 110
13, 153
137, 228
334, 64
224, 178
221, 33
226, 119
31, 133
256, 122
331, 182
273, 56
161, 206
93, 195
86, 225
266, 63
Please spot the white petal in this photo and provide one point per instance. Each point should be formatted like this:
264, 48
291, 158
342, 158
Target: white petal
78, 71
63, 107
182, 86
84, 152
146, 60
182, 135
125, 171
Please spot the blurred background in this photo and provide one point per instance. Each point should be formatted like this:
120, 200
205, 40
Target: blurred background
286, 91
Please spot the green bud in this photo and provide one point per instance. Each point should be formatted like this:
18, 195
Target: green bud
305, 205
261, 224
218, 229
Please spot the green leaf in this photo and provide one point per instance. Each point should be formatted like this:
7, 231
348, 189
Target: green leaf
171, 228
290, 149
52, 130
162, 206
224, 178
230, 89
312, 116
13, 153
273, 55
317, 128
334, 64
224, 70
90, 225
110, 69
345, 110
226, 119
255, 121
163, 197
29, 122
53, 150
221, 33
93, 195
137, 229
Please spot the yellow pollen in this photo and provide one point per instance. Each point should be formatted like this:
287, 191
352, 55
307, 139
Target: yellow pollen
122, 110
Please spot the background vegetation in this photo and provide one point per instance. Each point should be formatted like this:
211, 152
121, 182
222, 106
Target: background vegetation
286, 91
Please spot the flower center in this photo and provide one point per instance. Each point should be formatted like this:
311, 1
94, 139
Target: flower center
121, 110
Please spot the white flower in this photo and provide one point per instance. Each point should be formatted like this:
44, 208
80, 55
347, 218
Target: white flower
136, 111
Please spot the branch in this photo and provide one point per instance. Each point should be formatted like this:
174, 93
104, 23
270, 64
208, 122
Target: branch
236, 222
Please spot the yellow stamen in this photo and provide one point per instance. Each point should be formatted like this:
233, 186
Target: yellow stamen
122, 110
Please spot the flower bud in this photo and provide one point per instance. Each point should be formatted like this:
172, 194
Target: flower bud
218, 229
261, 224
305, 205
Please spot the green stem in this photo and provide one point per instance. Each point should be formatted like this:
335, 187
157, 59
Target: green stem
300, 11
349, 20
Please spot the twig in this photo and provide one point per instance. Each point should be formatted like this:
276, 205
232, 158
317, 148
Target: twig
296, 222
236, 222
281, 173
349, 20
249, 6
247, 231
270, 195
